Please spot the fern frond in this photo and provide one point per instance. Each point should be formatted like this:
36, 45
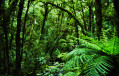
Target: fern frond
86, 58
111, 46
74, 62
99, 66
77, 61
80, 51
89, 45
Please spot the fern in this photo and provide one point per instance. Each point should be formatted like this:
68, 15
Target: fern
94, 64
81, 51
89, 45
111, 46
94, 58
72, 63
99, 66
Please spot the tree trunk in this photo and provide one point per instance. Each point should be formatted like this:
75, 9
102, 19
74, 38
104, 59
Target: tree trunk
83, 17
98, 8
72, 15
11, 31
90, 12
24, 28
45, 18
76, 27
116, 7
5, 28
6, 13
18, 55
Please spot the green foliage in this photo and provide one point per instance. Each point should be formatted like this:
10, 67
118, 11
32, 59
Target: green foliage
92, 58
89, 45
49, 37
72, 64
56, 53
99, 66
51, 70
62, 56
80, 51
70, 74
111, 46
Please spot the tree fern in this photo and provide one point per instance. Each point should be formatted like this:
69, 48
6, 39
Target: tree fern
71, 64
109, 46
98, 67
89, 45
80, 51
94, 58
91, 64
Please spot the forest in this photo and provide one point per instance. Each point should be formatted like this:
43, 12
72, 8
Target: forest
59, 37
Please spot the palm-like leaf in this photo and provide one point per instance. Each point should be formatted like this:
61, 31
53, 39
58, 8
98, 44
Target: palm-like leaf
89, 44
98, 67
92, 59
72, 63
80, 51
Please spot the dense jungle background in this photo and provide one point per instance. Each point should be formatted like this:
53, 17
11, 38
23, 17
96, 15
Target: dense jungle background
59, 37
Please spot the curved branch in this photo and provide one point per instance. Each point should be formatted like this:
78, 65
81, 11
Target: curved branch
70, 13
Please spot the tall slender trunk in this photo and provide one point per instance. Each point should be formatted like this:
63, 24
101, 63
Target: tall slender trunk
93, 25
24, 28
90, 12
116, 6
45, 18
10, 44
83, 17
5, 28
6, 13
76, 27
18, 55
98, 8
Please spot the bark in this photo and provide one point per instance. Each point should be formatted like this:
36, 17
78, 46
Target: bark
83, 17
93, 25
18, 56
1, 24
98, 8
24, 28
6, 23
6, 51
76, 27
11, 39
116, 7
6, 43
45, 18
90, 12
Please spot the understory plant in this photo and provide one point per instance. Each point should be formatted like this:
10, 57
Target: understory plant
94, 58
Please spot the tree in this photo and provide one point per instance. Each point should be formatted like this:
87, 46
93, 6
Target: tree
18, 46
116, 7
98, 10
24, 28
45, 18
36, 36
6, 20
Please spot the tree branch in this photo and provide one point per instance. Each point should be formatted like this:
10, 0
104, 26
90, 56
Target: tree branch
70, 13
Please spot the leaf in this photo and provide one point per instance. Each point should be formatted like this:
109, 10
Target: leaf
111, 46
70, 74
99, 67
